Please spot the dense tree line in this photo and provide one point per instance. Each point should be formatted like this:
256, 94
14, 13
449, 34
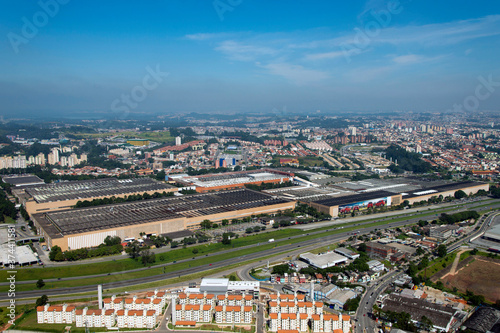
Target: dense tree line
129, 198
458, 217
406, 160
7, 208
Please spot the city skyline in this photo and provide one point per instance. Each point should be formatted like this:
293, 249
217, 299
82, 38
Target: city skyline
62, 58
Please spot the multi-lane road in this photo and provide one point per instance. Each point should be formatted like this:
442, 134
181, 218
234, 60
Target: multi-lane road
364, 323
281, 246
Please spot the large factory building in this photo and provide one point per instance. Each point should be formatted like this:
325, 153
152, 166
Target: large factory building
86, 227
446, 190
356, 202
232, 180
64, 195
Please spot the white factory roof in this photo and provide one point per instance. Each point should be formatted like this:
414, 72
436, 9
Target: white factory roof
23, 255
323, 260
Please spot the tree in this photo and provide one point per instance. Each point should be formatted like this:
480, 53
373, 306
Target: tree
147, 257
281, 269
441, 250
352, 304
420, 251
40, 284
112, 240
362, 247
460, 194
226, 238
206, 224
41, 301
225, 222
174, 244
133, 249
53, 252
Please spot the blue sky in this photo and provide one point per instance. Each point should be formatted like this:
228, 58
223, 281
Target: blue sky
245, 56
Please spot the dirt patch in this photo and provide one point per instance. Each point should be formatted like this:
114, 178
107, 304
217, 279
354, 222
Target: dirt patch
478, 274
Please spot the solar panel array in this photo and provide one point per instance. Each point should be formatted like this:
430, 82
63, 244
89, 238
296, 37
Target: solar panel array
93, 188
140, 212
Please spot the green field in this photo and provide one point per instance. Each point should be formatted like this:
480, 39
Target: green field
439, 264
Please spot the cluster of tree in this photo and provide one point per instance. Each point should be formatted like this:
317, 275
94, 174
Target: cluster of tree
406, 160
7, 208
113, 199
282, 269
227, 236
495, 191
207, 224
255, 229
281, 224
137, 252
268, 186
352, 304
458, 217
360, 176
401, 320
159, 241
473, 298
311, 211
111, 245
193, 172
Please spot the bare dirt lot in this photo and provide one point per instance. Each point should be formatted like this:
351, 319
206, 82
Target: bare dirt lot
481, 276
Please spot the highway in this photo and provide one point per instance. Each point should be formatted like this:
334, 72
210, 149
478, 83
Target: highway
281, 246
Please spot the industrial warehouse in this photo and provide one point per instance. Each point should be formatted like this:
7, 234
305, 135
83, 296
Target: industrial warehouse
52, 205
64, 195
346, 197
86, 227
231, 180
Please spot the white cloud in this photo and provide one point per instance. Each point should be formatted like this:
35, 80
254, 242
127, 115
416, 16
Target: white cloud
411, 59
204, 36
325, 55
295, 73
407, 59
244, 52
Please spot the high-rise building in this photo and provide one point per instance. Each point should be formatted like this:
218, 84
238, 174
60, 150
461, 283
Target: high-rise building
178, 141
